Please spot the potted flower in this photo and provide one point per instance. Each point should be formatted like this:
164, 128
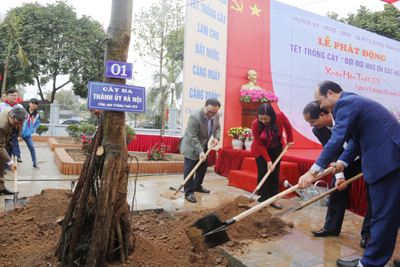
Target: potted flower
251, 100
248, 137
235, 133
157, 152
257, 96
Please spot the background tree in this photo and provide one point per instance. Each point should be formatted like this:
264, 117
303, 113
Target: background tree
61, 48
66, 99
96, 227
13, 27
153, 28
385, 23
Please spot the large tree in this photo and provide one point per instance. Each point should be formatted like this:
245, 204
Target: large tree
153, 30
385, 23
61, 49
13, 27
96, 227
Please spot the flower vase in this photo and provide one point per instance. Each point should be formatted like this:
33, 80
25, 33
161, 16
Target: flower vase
247, 144
237, 144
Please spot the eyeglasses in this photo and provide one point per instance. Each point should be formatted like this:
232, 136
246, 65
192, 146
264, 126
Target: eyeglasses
211, 112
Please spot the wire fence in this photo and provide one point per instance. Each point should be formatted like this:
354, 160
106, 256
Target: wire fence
151, 119
76, 115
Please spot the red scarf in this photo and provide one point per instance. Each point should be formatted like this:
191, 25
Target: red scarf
30, 120
12, 105
266, 134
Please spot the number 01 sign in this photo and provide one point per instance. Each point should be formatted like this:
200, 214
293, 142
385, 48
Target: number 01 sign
121, 70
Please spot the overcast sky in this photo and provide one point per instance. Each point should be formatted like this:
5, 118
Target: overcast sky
100, 10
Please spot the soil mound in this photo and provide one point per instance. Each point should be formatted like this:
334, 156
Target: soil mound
29, 236
172, 246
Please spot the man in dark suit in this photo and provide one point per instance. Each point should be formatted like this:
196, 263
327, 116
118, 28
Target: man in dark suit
374, 133
322, 122
202, 124
8, 119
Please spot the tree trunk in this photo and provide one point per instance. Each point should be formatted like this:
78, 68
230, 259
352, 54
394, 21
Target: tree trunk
162, 95
40, 92
3, 89
96, 228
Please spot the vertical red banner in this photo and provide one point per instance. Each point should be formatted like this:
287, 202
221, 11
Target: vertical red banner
248, 48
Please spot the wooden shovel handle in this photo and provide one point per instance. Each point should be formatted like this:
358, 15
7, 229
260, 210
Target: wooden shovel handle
15, 176
194, 169
269, 170
276, 197
305, 204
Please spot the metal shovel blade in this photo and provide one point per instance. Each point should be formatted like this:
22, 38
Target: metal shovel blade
174, 189
287, 211
196, 233
172, 195
255, 197
14, 202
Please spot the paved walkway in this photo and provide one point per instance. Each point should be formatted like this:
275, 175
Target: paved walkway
297, 248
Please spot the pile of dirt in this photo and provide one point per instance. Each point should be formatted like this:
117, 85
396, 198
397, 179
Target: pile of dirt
162, 241
29, 236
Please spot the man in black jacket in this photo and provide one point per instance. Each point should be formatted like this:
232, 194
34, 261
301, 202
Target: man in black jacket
322, 123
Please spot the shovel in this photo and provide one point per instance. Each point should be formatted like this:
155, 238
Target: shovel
174, 195
15, 202
266, 175
317, 197
209, 231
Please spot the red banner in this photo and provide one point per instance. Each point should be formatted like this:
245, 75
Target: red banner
249, 48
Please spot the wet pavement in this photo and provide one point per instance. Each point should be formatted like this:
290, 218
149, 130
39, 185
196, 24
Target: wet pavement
297, 248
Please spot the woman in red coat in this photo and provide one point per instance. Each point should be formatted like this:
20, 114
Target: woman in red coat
267, 146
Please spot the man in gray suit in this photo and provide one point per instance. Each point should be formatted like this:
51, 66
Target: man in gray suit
8, 119
202, 124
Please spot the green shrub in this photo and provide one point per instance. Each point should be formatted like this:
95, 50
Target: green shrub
130, 133
87, 129
73, 130
157, 152
42, 129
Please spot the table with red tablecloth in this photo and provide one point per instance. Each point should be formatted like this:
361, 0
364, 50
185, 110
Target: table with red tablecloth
172, 142
143, 142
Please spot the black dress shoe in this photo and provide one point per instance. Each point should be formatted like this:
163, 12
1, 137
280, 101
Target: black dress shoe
323, 232
202, 190
353, 263
5, 191
191, 198
364, 242
396, 263
277, 206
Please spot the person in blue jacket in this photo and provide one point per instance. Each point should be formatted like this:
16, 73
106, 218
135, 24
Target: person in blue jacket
375, 133
29, 127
